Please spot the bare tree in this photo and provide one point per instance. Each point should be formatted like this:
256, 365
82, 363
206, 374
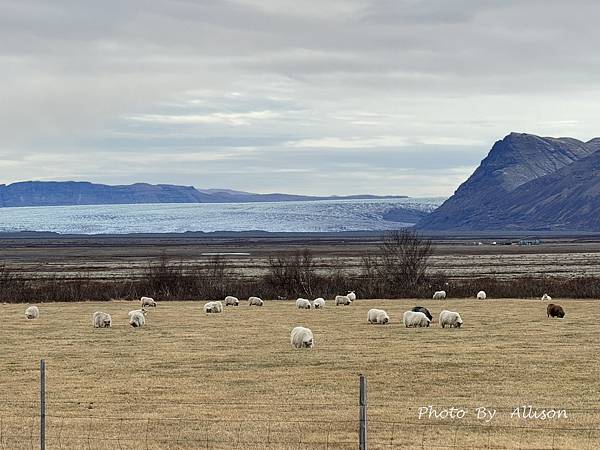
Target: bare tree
403, 260
294, 274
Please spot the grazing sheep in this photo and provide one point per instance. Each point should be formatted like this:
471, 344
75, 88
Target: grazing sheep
555, 311
451, 319
137, 317
481, 295
303, 303
319, 303
424, 311
342, 300
101, 320
213, 307
231, 301
439, 295
546, 298
255, 301
351, 295
302, 338
377, 316
147, 301
32, 312
414, 319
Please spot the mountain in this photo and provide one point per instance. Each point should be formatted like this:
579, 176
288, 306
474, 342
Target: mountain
527, 182
62, 193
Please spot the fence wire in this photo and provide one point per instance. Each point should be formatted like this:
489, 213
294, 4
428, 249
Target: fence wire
98, 431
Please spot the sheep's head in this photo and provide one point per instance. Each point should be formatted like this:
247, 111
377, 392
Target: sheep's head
144, 311
385, 320
308, 343
458, 324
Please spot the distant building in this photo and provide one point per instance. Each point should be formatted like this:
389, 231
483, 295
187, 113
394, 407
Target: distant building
530, 242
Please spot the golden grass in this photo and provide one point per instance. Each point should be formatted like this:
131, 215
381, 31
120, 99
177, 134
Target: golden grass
234, 378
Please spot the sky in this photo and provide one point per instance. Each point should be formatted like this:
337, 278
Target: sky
320, 97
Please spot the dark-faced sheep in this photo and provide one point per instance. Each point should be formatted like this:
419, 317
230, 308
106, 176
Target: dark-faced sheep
377, 316
319, 303
302, 338
255, 301
303, 303
32, 312
147, 301
230, 300
413, 319
423, 310
342, 300
137, 318
101, 320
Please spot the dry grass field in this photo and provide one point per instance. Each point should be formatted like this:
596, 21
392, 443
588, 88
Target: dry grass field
189, 380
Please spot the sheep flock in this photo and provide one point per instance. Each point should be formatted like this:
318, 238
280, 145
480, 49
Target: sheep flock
302, 337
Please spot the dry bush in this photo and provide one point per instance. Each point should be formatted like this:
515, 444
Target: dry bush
398, 271
296, 276
527, 287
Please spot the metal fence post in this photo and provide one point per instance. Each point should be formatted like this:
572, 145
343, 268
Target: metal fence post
42, 405
362, 414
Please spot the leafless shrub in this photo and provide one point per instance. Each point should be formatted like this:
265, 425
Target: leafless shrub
398, 271
400, 266
293, 275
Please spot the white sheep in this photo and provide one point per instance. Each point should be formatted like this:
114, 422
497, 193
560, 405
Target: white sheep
137, 317
101, 320
319, 303
451, 319
303, 303
32, 312
351, 295
413, 319
231, 301
439, 295
147, 301
342, 300
213, 307
377, 316
255, 301
481, 295
546, 298
302, 338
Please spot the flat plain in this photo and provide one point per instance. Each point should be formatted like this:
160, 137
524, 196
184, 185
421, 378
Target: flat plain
114, 257
189, 380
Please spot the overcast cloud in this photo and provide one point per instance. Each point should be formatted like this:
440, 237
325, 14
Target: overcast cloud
310, 97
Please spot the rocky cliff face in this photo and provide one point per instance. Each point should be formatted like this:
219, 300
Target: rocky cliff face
526, 182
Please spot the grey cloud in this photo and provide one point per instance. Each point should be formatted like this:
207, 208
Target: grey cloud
216, 88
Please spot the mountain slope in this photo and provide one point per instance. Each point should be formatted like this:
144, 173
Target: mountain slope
568, 199
523, 179
63, 193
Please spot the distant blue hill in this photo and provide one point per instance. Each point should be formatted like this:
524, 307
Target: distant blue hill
65, 193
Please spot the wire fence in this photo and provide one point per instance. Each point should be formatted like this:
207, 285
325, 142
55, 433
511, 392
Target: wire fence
80, 432
139, 423
246, 427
